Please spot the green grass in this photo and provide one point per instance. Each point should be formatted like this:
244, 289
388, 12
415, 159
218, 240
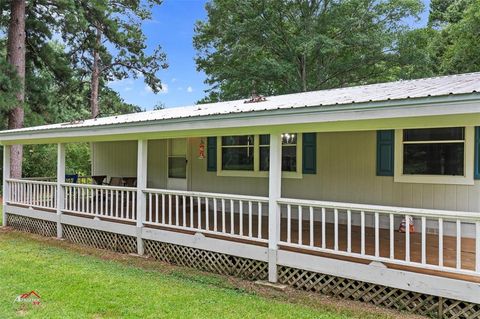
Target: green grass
80, 282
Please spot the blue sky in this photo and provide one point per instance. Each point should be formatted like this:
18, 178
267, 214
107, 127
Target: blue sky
172, 27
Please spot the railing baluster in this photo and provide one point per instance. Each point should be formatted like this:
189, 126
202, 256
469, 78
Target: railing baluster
362, 232
184, 211
300, 221
377, 234
223, 215
199, 212
259, 220
311, 226
250, 231
459, 244
169, 209
392, 236
150, 208
407, 238
156, 208
207, 214
134, 205
232, 217
289, 223
324, 229
240, 217
96, 201
176, 210
127, 204
424, 240
215, 214
112, 202
163, 208
122, 205
349, 231
440, 242
116, 203
191, 212
335, 216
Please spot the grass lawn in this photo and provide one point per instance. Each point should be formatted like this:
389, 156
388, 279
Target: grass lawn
81, 282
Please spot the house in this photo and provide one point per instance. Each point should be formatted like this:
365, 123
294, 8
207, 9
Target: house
369, 192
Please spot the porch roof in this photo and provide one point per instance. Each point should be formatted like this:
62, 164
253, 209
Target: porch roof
427, 91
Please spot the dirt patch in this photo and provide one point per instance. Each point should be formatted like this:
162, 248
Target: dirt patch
289, 295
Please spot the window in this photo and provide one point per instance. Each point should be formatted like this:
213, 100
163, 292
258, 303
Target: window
237, 153
249, 155
177, 158
289, 152
435, 155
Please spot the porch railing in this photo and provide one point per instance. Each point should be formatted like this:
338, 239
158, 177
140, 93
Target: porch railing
436, 240
101, 201
39, 194
430, 239
224, 214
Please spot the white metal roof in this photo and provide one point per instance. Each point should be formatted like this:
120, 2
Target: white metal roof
400, 90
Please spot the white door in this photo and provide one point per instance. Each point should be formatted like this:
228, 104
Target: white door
177, 164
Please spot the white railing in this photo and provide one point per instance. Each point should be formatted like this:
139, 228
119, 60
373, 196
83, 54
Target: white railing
101, 201
438, 240
224, 214
32, 193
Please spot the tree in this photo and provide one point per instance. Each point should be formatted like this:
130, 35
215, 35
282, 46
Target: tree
16, 58
109, 43
458, 42
277, 47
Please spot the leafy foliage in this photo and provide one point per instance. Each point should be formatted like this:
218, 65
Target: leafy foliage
277, 47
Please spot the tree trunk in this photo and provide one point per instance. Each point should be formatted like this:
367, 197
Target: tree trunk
16, 57
95, 78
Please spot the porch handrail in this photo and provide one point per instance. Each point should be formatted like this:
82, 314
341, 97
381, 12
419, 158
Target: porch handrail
92, 186
418, 212
206, 194
30, 181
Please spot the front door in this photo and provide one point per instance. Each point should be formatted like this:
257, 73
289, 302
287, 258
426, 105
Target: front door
177, 164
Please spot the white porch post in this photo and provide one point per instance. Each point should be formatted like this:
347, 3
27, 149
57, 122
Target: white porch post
274, 193
6, 175
60, 192
142, 152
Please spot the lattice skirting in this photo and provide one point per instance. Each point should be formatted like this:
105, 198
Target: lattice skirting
32, 225
393, 298
100, 239
207, 260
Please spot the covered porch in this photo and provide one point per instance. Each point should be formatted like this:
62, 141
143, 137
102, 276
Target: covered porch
353, 193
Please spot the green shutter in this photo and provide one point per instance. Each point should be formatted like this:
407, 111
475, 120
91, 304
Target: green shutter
309, 153
477, 153
385, 151
212, 154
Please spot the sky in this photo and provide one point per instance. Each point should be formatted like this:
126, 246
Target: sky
172, 26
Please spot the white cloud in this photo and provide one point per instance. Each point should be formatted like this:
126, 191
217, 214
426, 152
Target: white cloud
189, 89
174, 80
164, 89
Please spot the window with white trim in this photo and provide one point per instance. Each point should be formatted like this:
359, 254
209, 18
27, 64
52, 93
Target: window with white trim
238, 153
289, 152
434, 155
249, 155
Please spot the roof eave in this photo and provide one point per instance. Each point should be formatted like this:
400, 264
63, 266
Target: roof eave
101, 130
